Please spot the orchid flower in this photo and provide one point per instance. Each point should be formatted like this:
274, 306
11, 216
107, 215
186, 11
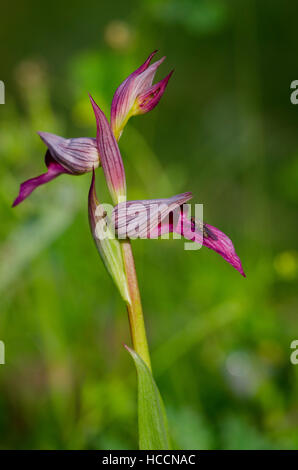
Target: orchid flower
149, 227
129, 219
137, 95
71, 156
113, 168
156, 217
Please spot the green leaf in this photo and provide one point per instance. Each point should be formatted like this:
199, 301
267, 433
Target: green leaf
153, 426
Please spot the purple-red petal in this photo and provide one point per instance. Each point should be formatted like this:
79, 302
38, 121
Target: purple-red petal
151, 97
221, 243
139, 219
54, 170
110, 156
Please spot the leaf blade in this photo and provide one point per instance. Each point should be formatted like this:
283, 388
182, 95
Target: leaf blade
152, 420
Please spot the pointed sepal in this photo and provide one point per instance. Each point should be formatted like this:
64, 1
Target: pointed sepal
110, 156
137, 95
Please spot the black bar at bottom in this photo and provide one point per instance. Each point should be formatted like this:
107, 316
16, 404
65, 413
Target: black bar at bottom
134, 459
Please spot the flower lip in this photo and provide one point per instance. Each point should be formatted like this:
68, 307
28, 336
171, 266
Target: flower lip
27, 187
221, 244
76, 155
71, 156
207, 232
149, 219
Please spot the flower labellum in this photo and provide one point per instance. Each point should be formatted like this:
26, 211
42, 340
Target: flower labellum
71, 156
110, 156
156, 217
137, 95
216, 240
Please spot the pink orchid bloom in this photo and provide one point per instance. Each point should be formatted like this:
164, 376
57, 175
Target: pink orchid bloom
137, 95
71, 156
153, 218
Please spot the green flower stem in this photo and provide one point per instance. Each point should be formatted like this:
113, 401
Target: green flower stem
134, 308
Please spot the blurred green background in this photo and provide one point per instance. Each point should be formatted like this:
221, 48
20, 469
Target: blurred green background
225, 130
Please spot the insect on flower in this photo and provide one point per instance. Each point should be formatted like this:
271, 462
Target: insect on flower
153, 218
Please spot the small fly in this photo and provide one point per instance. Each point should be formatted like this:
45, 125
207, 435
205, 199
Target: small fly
207, 232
